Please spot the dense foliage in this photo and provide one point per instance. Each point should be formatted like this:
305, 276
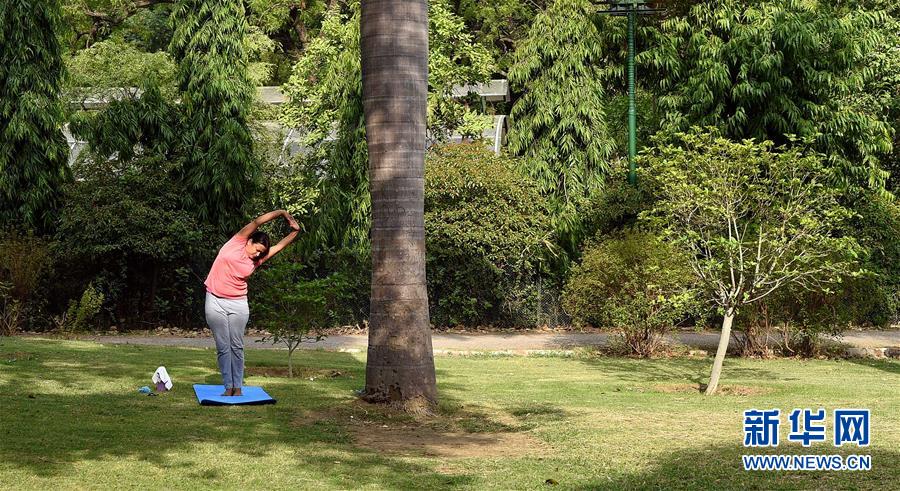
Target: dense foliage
182, 153
33, 152
558, 124
123, 227
771, 69
114, 68
218, 170
486, 235
25, 263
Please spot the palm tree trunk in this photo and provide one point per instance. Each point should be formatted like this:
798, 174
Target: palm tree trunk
394, 50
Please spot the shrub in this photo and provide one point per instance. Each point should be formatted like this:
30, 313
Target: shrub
123, 225
808, 315
868, 298
25, 263
486, 231
10, 311
81, 312
634, 282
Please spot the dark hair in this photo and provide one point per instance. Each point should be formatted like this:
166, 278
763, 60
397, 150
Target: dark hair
260, 238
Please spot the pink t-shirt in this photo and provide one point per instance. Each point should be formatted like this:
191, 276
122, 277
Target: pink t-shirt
229, 272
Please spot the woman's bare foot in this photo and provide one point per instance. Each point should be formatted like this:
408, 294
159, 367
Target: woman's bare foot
236, 391
228, 392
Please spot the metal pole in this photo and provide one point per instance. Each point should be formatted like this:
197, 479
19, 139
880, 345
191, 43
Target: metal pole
632, 110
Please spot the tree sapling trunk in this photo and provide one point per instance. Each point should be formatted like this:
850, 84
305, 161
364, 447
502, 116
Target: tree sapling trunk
724, 339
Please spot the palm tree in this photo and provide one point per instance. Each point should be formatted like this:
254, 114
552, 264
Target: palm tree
394, 50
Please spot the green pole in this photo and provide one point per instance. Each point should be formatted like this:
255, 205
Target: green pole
632, 110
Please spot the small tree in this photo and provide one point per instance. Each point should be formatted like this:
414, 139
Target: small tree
292, 309
634, 282
752, 220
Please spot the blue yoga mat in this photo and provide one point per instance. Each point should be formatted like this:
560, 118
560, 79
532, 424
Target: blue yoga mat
211, 395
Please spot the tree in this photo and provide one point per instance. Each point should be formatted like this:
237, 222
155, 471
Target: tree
501, 25
292, 309
93, 20
559, 124
881, 94
219, 169
112, 68
772, 69
33, 151
752, 219
394, 54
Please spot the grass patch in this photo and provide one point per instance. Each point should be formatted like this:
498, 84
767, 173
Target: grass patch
72, 418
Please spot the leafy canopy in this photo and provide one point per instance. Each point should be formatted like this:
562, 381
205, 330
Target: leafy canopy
751, 218
771, 69
558, 124
33, 151
219, 169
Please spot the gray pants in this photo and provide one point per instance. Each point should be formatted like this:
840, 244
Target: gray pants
227, 320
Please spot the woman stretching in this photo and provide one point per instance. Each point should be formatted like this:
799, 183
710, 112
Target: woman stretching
227, 311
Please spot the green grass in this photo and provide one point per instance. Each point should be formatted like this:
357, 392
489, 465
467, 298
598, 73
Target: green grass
71, 418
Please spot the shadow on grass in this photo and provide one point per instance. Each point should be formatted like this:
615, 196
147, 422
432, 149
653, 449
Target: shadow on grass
691, 370
62, 407
890, 366
721, 467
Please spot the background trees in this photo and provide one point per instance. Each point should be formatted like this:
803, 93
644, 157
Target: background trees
33, 151
559, 123
809, 76
768, 70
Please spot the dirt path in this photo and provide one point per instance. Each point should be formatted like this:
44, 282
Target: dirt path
515, 342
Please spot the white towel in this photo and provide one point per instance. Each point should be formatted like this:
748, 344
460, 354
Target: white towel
161, 375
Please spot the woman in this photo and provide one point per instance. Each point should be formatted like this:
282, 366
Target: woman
227, 311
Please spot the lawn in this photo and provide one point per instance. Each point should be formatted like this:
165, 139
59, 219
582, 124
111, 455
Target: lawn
72, 418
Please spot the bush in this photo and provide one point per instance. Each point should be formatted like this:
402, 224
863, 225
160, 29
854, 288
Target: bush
808, 315
25, 263
634, 282
486, 231
81, 312
124, 228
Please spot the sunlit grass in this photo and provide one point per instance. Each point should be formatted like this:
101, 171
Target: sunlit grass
72, 418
